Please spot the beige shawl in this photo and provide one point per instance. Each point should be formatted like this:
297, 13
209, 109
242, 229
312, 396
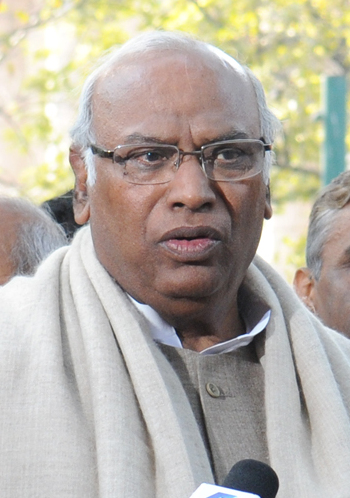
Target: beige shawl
91, 408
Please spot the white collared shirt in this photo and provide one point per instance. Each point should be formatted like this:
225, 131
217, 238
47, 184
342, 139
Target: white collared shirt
164, 333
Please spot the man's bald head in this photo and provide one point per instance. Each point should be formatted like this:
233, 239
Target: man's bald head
160, 43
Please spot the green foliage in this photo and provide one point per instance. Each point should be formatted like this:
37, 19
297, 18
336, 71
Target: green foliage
48, 179
291, 184
289, 45
296, 255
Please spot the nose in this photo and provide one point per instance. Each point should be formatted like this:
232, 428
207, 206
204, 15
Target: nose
190, 186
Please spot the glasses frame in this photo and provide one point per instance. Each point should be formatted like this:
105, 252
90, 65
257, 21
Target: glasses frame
110, 153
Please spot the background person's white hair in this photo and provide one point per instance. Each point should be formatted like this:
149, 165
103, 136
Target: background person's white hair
329, 201
37, 235
82, 132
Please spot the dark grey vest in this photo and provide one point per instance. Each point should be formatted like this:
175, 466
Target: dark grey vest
226, 392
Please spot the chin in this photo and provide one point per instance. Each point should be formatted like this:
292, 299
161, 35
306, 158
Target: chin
179, 310
194, 284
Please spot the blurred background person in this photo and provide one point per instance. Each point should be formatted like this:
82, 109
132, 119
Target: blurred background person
61, 210
27, 235
325, 284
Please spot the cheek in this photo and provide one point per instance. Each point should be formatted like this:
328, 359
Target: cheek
247, 207
121, 211
338, 289
330, 296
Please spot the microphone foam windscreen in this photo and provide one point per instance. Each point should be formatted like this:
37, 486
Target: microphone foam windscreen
254, 477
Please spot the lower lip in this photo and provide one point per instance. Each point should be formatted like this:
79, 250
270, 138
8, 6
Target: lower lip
193, 247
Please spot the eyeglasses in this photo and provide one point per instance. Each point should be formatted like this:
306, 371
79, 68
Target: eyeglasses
229, 161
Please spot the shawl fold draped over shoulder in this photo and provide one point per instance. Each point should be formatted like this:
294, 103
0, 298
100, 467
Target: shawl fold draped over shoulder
90, 407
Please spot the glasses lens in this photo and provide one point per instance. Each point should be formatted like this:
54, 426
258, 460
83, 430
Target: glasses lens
233, 160
146, 164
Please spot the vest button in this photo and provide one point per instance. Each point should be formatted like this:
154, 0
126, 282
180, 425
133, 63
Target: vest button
213, 390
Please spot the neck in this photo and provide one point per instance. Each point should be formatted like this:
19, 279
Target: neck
200, 322
200, 333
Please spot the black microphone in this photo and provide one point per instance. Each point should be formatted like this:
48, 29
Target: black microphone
254, 477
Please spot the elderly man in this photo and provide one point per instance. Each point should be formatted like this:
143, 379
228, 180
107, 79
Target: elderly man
27, 236
324, 285
153, 354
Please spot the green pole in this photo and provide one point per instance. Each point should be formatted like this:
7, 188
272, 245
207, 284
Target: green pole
335, 127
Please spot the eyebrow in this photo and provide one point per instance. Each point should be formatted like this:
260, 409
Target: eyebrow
231, 135
138, 138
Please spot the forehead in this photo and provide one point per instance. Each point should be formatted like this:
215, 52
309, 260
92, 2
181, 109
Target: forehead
9, 217
9, 222
165, 91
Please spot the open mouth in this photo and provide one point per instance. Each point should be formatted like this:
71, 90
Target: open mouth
190, 245
191, 241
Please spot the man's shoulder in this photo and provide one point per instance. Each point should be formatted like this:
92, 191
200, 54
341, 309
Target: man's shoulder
265, 281
26, 298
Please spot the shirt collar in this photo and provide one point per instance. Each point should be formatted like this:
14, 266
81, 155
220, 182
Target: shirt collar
164, 333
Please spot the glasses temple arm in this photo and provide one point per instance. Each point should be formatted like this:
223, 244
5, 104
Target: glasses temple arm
101, 152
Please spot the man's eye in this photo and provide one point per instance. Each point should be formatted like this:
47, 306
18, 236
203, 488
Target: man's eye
229, 154
145, 157
149, 156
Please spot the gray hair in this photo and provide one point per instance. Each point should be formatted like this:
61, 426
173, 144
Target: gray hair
82, 133
37, 235
329, 201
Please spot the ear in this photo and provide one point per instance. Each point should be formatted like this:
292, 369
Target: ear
268, 207
304, 286
81, 204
